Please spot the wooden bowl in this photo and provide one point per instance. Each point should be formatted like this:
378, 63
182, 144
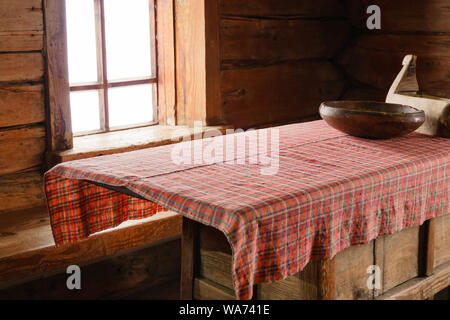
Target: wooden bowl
370, 119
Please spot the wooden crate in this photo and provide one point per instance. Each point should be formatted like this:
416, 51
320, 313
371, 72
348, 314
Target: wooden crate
403, 257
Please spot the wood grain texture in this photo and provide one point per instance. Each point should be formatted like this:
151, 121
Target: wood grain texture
216, 266
28, 251
283, 9
421, 288
403, 15
124, 141
20, 67
59, 121
166, 62
21, 41
214, 112
395, 250
21, 190
113, 278
214, 261
197, 62
248, 39
21, 25
21, 149
277, 93
20, 105
344, 277
189, 243
374, 60
442, 240
302, 286
364, 93
205, 289
351, 272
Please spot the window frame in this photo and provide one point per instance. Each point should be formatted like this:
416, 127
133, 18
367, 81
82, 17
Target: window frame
102, 85
59, 128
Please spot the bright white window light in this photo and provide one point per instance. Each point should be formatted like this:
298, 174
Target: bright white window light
130, 105
84, 106
128, 47
82, 52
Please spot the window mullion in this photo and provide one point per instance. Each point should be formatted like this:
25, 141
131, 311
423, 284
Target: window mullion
101, 63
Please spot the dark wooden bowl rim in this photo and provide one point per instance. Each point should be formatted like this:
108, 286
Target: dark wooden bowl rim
364, 108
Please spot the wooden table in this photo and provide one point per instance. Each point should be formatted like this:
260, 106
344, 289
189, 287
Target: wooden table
413, 264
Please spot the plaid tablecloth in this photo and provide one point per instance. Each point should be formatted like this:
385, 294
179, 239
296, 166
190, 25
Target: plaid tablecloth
331, 191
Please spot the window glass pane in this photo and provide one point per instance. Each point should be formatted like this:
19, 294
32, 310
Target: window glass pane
84, 106
127, 25
82, 50
130, 105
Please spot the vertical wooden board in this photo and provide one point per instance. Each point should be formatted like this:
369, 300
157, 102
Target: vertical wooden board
166, 62
278, 40
21, 149
214, 112
190, 61
374, 60
442, 240
189, 250
398, 257
21, 105
302, 286
276, 8
351, 272
403, 15
197, 62
276, 93
59, 122
21, 191
21, 67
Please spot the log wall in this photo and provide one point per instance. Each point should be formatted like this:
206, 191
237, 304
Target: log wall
276, 59
373, 57
22, 115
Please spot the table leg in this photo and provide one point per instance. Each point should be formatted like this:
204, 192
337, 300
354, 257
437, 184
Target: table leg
188, 250
327, 281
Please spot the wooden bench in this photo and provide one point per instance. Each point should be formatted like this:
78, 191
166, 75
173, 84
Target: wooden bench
28, 251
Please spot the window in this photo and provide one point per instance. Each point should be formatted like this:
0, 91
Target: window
112, 64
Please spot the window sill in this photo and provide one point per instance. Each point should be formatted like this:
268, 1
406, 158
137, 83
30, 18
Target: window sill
123, 141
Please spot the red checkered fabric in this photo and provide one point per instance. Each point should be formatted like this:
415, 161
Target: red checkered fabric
331, 191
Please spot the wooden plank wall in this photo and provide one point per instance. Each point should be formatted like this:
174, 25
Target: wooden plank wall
22, 115
373, 58
276, 58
